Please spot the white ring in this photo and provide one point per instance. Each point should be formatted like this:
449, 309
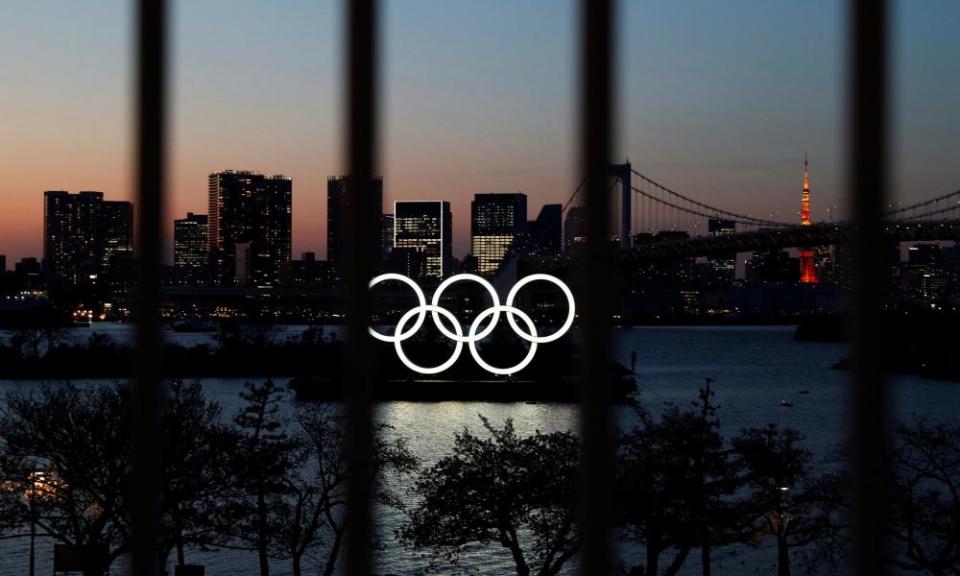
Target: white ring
473, 337
493, 296
473, 341
397, 337
571, 314
398, 344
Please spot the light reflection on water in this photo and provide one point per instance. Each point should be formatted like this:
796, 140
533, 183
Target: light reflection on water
754, 369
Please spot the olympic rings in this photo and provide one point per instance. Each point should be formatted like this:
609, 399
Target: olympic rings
570, 313
473, 336
420, 298
496, 312
493, 296
398, 343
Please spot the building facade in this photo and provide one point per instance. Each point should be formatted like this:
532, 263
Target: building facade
254, 210
544, 233
83, 234
426, 227
575, 227
191, 253
497, 223
725, 267
338, 218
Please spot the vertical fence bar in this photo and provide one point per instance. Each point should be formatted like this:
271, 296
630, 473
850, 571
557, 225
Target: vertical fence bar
868, 188
151, 18
358, 378
596, 37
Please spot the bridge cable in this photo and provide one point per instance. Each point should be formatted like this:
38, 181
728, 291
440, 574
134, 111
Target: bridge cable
716, 211
661, 203
922, 204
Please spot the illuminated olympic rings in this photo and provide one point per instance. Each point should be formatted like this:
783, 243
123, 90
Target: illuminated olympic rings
474, 334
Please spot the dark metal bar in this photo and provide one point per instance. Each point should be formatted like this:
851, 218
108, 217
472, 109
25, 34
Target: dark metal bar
867, 140
151, 174
358, 382
596, 97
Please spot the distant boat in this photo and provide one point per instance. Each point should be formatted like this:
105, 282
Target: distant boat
804, 391
786, 404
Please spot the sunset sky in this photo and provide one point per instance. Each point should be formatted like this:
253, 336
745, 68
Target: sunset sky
719, 100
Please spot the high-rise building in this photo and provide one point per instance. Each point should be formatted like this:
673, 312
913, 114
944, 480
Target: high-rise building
773, 266
3, 263
191, 253
116, 231
427, 228
923, 271
575, 227
544, 234
386, 236
725, 267
338, 218
82, 233
252, 209
497, 223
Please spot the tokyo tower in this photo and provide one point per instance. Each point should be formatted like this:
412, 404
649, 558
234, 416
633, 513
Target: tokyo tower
808, 272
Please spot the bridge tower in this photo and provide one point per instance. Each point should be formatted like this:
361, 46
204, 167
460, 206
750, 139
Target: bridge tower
623, 173
808, 271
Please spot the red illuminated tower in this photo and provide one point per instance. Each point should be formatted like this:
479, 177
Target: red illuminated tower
808, 272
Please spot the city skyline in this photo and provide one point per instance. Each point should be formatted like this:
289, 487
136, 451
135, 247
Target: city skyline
721, 102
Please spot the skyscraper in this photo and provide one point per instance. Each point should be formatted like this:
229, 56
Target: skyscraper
427, 228
725, 266
497, 222
255, 210
575, 227
116, 231
338, 218
544, 233
386, 236
191, 253
82, 233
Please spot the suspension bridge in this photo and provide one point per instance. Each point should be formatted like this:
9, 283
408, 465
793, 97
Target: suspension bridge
648, 208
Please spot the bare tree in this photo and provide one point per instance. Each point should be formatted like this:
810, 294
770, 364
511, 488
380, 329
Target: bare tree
313, 508
71, 444
198, 476
925, 498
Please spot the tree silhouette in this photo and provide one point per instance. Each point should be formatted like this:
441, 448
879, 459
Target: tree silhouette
197, 449
69, 445
925, 498
517, 492
675, 479
783, 500
263, 455
312, 512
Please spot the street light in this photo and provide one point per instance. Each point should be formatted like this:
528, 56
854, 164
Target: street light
40, 485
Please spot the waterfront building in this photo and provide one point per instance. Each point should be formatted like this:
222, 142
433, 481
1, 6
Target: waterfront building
386, 236
575, 227
724, 267
426, 227
254, 209
191, 253
82, 234
544, 235
338, 218
497, 224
